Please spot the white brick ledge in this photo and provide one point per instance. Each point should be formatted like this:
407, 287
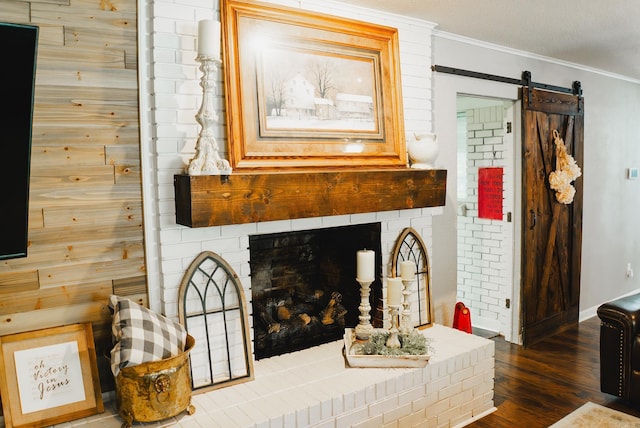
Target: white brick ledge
313, 388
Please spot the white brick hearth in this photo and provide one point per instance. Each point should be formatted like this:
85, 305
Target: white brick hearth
313, 388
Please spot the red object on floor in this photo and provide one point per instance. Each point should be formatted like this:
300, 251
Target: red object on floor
462, 318
456, 314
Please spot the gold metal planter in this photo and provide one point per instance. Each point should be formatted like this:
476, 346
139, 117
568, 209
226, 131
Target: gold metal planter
155, 390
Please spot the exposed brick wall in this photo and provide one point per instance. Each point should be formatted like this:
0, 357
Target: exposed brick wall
483, 271
173, 102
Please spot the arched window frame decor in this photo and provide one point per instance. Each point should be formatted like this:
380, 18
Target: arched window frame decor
410, 246
211, 289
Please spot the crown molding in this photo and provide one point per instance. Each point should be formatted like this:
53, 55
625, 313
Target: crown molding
530, 55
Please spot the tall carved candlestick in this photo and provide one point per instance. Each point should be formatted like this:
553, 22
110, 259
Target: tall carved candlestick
408, 274
392, 340
405, 323
365, 274
207, 161
364, 329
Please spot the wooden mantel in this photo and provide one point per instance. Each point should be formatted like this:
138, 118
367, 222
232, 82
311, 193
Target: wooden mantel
247, 197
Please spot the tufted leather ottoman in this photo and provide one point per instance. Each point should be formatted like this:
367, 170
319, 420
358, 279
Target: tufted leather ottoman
620, 348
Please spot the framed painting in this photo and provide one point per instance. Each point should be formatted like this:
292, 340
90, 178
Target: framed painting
307, 90
49, 376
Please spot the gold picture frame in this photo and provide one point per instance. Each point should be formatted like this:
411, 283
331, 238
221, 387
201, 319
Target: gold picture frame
49, 376
308, 90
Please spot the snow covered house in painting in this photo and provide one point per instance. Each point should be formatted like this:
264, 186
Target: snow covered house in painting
325, 109
350, 106
299, 99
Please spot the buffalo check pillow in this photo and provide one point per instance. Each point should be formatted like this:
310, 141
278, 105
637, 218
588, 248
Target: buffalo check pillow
141, 336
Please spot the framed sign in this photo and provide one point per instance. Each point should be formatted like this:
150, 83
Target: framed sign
310, 90
490, 191
49, 376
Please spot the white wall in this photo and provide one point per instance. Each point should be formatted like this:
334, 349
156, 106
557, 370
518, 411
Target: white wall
611, 137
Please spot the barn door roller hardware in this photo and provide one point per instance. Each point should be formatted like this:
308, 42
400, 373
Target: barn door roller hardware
576, 88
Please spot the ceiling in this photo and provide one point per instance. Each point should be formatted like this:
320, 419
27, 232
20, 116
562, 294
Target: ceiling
599, 34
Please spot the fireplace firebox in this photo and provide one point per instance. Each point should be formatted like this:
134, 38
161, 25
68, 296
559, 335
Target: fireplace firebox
303, 286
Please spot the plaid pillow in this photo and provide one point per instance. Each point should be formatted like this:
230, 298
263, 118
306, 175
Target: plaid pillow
141, 335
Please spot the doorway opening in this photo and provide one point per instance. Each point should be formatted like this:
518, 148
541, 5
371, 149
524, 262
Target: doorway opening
487, 259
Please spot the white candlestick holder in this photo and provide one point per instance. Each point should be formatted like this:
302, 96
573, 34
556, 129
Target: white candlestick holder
392, 340
364, 329
406, 325
207, 161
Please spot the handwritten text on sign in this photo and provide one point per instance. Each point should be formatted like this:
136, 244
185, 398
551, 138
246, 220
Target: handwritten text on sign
49, 376
490, 193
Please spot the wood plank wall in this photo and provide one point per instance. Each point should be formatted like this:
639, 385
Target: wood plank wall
85, 216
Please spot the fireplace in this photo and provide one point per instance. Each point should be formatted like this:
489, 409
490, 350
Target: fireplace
303, 286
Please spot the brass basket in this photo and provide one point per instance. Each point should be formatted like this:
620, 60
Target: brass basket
155, 390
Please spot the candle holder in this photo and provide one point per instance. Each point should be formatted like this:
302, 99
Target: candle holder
207, 161
364, 329
392, 340
405, 323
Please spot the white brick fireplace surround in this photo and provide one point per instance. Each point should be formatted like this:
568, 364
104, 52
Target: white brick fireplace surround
174, 98
456, 385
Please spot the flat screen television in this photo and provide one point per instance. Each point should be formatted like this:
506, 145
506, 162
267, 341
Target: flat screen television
17, 77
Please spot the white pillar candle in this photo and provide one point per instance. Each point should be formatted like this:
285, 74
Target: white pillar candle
209, 38
407, 270
366, 262
394, 291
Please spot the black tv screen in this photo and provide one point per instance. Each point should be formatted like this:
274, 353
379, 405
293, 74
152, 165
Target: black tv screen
17, 75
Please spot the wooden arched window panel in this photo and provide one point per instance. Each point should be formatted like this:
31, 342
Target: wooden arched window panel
409, 246
213, 309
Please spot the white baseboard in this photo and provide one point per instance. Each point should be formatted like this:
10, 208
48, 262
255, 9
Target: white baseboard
486, 324
593, 311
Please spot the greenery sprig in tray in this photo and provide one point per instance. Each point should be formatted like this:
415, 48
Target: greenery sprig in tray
413, 343
414, 350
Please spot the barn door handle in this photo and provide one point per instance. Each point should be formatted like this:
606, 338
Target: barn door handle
533, 219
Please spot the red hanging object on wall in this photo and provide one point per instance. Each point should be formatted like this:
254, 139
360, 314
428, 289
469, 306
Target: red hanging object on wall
462, 318
490, 185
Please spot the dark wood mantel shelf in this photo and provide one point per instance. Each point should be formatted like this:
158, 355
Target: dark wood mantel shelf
247, 197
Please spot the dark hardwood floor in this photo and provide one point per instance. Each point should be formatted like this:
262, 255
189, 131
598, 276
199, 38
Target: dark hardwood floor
538, 386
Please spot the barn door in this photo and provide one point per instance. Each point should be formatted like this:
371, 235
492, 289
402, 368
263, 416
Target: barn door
552, 231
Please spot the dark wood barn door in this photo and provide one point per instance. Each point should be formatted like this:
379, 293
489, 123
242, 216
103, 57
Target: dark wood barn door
552, 231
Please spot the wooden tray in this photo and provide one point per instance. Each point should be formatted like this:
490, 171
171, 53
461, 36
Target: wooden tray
379, 361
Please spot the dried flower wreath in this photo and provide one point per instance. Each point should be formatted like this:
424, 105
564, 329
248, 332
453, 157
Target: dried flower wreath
566, 172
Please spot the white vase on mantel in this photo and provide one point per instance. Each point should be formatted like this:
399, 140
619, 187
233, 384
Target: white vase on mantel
423, 150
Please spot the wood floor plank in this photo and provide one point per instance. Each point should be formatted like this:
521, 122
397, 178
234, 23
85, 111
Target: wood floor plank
538, 386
